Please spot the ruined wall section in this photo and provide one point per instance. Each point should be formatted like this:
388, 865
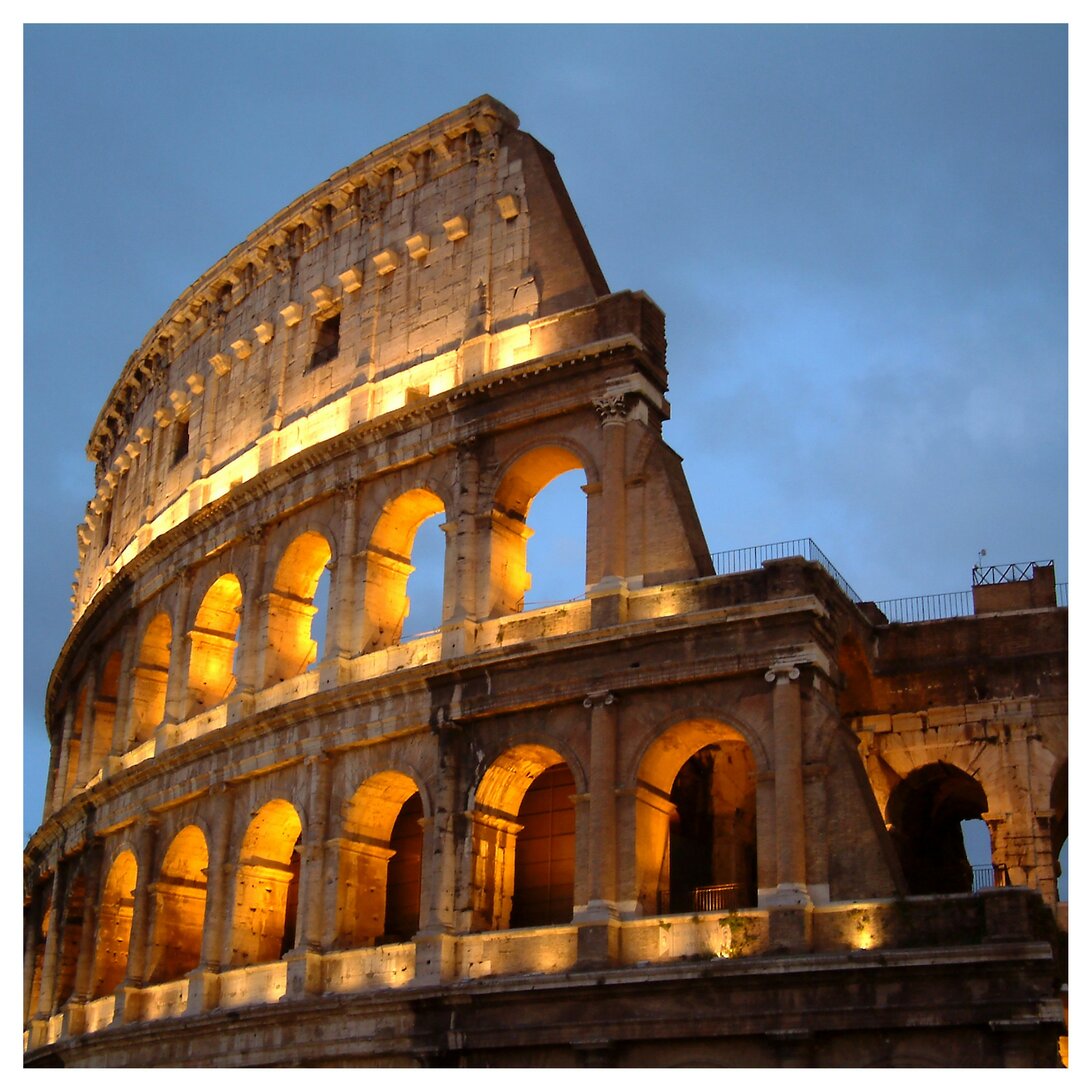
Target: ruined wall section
405, 275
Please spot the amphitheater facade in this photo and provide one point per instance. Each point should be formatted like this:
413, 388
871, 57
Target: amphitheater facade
694, 818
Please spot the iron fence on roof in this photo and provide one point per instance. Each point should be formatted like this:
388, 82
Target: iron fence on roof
1006, 572
738, 560
906, 609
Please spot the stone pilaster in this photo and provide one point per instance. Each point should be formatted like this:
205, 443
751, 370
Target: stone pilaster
176, 686
791, 889
598, 941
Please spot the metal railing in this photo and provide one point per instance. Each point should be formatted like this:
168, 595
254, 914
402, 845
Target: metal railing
950, 605
703, 898
989, 877
717, 897
1006, 573
750, 558
907, 609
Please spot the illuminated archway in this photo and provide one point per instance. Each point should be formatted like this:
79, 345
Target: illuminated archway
290, 646
923, 815
509, 579
179, 906
697, 820
114, 924
522, 846
389, 564
213, 645
151, 677
267, 886
379, 861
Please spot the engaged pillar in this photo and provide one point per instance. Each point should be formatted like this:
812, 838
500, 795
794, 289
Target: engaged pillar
790, 889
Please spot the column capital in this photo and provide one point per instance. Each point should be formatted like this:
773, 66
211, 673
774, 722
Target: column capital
784, 671
598, 699
611, 408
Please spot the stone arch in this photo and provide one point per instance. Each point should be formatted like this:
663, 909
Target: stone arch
923, 816
516, 486
179, 899
502, 814
380, 859
388, 559
213, 644
114, 923
290, 648
696, 818
150, 678
267, 885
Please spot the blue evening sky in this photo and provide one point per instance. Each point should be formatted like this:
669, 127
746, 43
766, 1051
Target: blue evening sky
858, 234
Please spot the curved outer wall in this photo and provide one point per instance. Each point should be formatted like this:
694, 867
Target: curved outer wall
269, 823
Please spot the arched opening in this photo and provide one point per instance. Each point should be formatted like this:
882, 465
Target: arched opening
403, 873
1059, 829
73, 911
697, 820
151, 677
291, 649
267, 886
978, 847
104, 717
179, 906
924, 815
213, 645
114, 924
424, 588
523, 841
555, 549
389, 564
510, 578
380, 858
544, 856
321, 602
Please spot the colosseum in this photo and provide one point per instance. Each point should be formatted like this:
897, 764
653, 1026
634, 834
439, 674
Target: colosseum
707, 814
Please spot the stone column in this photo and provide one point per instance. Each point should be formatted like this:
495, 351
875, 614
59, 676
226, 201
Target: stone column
252, 637
86, 741
68, 747
598, 931
304, 960
612, 410
203, 981
122, 733
790, 830
176, 686
127, 994
74, 1013
339, 644
55, 783
435, 939
461, 584
50, 964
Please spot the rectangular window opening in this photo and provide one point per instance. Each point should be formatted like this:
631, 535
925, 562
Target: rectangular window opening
327, 339
182, 441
